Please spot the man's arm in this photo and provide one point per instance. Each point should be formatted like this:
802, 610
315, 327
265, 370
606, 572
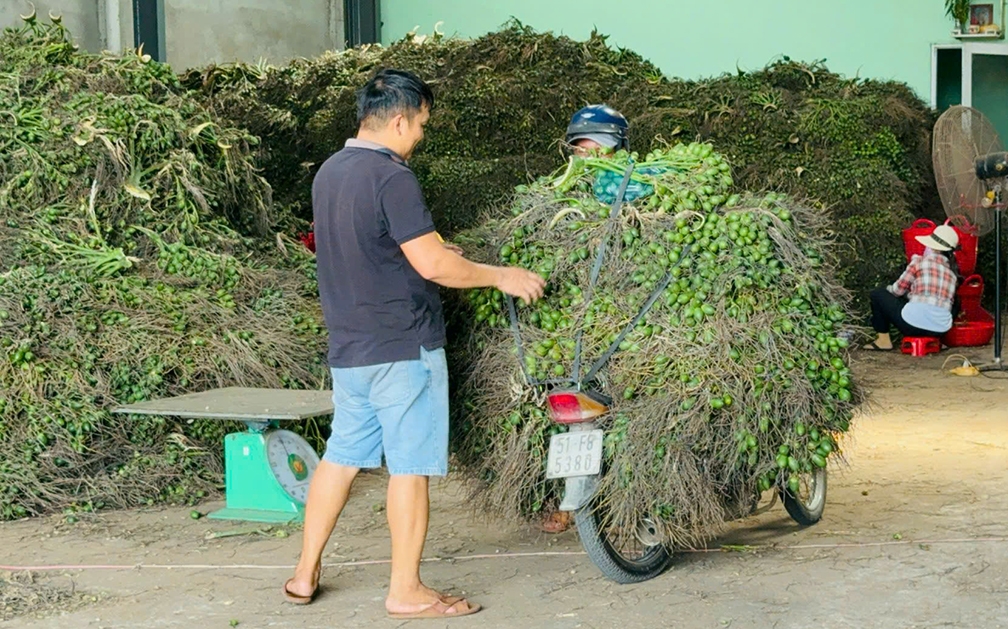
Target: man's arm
439, 264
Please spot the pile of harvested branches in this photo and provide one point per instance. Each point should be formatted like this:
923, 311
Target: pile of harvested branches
138, 261
734, 380
860, 148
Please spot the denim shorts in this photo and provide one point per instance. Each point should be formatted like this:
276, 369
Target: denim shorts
399, 409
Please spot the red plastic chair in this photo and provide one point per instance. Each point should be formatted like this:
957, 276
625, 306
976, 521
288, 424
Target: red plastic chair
921, 345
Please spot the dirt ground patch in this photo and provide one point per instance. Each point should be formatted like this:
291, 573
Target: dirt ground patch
28, 593
914, 535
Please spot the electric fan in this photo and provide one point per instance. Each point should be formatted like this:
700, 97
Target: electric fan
971, 170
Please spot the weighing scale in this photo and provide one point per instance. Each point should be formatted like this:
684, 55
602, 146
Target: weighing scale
267, 470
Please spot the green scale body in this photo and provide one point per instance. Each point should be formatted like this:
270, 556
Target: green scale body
266, 475
267, 470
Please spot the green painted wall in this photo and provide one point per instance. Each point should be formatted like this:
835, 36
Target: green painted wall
887, 39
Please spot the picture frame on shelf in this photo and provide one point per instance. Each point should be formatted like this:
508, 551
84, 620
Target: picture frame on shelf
976, 22
981, 15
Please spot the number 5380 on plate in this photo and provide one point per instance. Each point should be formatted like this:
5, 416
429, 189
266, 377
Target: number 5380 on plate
575, 454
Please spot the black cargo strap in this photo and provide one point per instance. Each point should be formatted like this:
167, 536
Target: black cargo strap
521, 351
600, 363
617, 205
575, 378
516, 331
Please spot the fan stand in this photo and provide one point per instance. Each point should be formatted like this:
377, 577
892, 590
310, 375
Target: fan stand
968, 156
998, 364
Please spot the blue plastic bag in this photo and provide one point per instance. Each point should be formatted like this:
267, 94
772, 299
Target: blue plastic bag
607, 185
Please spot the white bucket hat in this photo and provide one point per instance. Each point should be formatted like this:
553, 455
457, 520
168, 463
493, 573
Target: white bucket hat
943, 238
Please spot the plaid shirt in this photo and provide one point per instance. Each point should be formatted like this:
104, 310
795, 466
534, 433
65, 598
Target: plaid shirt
929, 280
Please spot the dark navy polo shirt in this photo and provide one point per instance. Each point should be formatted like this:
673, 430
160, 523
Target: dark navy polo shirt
378, 309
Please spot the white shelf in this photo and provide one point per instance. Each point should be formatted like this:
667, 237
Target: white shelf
977, 35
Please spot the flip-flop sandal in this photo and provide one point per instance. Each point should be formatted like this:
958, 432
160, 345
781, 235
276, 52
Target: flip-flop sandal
297, 599
874, 347
556, 523
440, 610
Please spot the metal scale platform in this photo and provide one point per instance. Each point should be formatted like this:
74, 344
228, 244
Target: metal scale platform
267, 469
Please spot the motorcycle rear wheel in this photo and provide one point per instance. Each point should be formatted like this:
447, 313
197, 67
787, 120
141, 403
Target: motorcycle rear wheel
610, 556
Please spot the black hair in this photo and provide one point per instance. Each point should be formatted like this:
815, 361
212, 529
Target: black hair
953, 264
393, 92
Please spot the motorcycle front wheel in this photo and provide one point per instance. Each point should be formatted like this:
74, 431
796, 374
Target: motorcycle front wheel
806, 506
623, 556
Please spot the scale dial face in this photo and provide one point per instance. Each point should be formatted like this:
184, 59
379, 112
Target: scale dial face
292, 462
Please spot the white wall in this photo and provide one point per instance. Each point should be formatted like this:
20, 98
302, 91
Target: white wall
200, 32
80, 16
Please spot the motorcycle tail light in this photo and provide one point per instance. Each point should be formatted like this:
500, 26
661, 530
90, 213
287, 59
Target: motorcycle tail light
575, 407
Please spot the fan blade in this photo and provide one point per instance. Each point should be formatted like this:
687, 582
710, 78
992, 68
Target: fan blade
962, 136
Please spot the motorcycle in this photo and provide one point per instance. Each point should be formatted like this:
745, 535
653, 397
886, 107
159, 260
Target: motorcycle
576, 455
642, 554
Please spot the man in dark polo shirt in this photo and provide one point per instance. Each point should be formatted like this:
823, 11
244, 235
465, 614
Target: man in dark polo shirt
379, 266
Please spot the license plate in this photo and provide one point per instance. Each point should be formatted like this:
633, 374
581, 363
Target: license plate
575, 454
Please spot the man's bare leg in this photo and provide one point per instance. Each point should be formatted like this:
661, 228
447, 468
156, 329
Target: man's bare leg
408, 517
327, 495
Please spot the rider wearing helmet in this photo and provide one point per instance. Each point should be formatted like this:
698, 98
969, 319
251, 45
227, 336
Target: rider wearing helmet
598, 128
595, 129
